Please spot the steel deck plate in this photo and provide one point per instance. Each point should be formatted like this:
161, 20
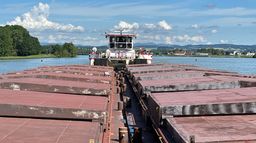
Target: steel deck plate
209, 129
24, 130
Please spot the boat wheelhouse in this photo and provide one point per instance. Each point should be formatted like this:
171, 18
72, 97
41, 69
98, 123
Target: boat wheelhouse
120, 52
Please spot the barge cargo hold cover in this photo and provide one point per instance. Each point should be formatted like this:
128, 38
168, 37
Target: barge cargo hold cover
60, 104
190, 104
165, 103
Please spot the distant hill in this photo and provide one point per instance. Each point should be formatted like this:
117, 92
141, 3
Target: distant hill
251, 48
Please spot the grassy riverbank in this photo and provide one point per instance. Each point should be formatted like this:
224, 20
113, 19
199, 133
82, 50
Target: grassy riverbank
28, 57
211, 56
227, 56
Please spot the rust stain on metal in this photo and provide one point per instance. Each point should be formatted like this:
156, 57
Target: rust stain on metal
210, 129
69, 93
15, 130
179, 98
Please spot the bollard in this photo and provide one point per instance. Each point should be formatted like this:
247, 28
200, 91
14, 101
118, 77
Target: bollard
121, 91
192, 139
125, 87
122, 80
123, 135
117, 82
137, 137
120, 105
122, 74
127, 102
117, 90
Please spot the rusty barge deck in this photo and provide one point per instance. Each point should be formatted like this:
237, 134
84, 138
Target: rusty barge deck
189, 104
141, 103
61, 104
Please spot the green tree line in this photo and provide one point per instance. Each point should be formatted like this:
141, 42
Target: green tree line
212, 51
65, 50
16, 41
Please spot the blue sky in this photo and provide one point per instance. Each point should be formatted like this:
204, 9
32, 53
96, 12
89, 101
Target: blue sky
159, 21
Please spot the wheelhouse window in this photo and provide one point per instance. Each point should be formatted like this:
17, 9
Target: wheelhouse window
129, 39
112, 45
112, 39
129, 45
120, 42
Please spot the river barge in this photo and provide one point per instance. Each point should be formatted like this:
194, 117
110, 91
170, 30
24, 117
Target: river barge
189, 104
120, 52
148, 103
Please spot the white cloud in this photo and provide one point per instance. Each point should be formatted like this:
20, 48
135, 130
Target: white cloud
168, 40
126, 27
184, 38
223, 41
52, 39
150, 26
205, 28
60, 38
164, 25
187, 38
131, 27
214, 31
37, 19
195, 26
150, 37
57, 38
197, 38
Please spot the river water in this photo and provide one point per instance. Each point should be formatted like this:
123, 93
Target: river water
240, 65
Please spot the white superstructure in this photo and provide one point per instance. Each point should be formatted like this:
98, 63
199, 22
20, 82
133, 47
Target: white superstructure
120, 50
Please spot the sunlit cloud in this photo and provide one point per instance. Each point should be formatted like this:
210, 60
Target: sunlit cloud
214, 31
187, 38
126, 27
168, 40
223, 41
38, 19
164, 25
